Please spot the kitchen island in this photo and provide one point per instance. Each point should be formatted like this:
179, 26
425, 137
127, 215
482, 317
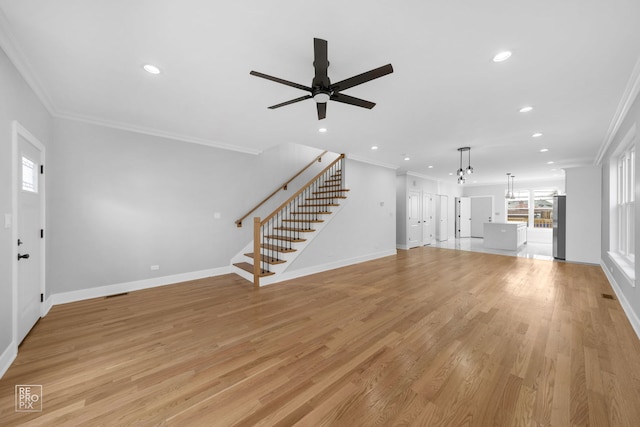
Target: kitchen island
505, 235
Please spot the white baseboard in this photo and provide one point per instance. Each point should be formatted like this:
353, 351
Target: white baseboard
402, 247
46, 306
624, 302
288, 275
137, 285
7, 357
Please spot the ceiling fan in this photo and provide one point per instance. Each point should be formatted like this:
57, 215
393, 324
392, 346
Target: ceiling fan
321, 89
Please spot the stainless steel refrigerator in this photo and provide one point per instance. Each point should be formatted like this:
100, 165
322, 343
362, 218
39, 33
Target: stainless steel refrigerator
559, 226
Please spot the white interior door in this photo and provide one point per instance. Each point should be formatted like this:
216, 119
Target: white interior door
481, 212
442, 218
29, 242
428, 223
414, 220
463, 217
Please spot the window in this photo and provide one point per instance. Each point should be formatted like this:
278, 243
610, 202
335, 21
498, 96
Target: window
29, 175
625, 204
543, 208
518, 208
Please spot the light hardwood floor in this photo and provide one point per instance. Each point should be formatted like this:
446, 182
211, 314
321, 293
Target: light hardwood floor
428, 337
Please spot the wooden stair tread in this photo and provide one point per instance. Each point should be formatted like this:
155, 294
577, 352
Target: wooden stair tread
285, 238
311, 213
276, 248
319, 205
331, 191
249, 268
299, 230
303, 220
267, 259
327, 198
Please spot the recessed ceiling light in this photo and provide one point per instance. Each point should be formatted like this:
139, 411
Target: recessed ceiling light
502, 56
526, 109
544, 150
430, 166
151, 69
375, 147
407, 158
550, 162
322, 130
536, 135
450, 173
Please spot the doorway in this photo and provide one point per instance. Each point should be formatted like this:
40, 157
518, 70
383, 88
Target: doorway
481, 212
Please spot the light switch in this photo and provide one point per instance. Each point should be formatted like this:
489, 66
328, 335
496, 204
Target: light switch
7, 220
216, 215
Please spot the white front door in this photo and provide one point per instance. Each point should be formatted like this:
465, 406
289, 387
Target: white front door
30, 248
428, 224
414, 220
463, 217
442, 217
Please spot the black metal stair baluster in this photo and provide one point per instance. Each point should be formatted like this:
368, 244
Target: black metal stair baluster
309, 211
337, 173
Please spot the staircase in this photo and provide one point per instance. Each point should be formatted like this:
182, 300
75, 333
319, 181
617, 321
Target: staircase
283, 235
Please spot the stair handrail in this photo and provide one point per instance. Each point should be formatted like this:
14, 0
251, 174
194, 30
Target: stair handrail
282, 187
297, 193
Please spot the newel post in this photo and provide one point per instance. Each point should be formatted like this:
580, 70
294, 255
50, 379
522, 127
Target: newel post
256, 252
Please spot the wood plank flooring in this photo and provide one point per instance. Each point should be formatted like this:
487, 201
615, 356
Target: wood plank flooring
429, 337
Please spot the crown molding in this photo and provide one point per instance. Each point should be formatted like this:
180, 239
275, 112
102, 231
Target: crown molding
371, 162
155, 132
628, 98
19, 60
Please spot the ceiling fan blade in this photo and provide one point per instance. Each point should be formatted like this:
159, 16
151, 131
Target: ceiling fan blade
362, 78
302, 98
346, 99
322, 110
320, 63
282, 81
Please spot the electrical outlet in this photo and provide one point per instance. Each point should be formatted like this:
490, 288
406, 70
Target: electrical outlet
155, 267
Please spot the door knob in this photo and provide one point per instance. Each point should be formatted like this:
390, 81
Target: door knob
25, 256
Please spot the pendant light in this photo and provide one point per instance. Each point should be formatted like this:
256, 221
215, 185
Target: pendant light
462, 172
508, 195
513, 193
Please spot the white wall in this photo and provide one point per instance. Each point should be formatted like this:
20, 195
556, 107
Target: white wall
583, 214
626, 288
363, 229
401, 210
17, 102
121, 202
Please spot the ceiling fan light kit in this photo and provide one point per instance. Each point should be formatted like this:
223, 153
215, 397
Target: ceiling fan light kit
321, 89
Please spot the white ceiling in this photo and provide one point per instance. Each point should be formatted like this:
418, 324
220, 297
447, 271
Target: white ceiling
572, 60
